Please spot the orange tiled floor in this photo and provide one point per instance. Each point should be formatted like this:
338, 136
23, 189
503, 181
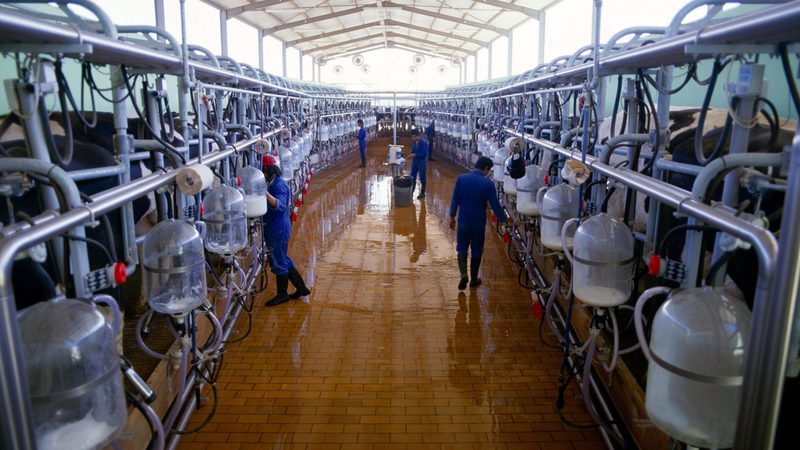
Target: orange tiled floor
386, 353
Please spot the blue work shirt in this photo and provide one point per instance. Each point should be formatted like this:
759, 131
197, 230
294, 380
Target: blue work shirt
470, 195
277, 222
362, 138
430, 131
420, 151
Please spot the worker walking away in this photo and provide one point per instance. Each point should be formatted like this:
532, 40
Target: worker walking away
430, 132
419, 165
362, 143
277, 231
470, 196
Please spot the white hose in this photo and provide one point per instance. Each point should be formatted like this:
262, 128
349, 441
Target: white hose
615, 352
549, 306
637, 315
564, 240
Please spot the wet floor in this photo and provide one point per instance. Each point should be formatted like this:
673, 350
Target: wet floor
386, 353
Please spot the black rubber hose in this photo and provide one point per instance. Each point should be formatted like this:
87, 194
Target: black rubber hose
716, 265
604, 205
169, 151
656, 125
662, 246
787, 71
63, 86
689, 76
69, 144
698, 132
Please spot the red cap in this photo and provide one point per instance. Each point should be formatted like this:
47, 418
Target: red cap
654, 265
238, 181
268, 160
537, 309
120, 274
546, 180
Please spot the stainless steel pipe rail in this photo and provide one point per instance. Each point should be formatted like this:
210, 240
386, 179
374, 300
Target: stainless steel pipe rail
766, 337
18, 28
769, 25
15, 406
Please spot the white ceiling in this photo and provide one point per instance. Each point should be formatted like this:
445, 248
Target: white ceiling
453, 28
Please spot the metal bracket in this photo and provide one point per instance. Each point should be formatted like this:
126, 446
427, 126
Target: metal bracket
15, 185
49, 49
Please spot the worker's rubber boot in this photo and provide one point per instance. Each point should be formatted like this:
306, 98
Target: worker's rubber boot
422, 193
475, 265
282, 283
462, 267
297, 280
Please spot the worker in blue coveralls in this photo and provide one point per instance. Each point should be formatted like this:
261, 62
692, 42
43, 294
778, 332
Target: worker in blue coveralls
430, 132
470, 196
277, 230
419, 164
362, 143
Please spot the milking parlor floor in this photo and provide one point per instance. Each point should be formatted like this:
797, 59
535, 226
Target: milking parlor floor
386, 353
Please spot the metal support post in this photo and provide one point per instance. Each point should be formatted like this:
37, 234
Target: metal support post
223, 31
283, 57
261, 49
489, 62
159, 7
542, 27
767, 351
747, 90
394, 120
510, 52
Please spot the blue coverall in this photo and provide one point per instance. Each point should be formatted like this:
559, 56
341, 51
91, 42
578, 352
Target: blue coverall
420, 162
430, 132
362, 144
470, 195
277, 227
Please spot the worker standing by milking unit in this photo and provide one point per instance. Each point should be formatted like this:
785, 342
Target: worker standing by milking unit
419, 165
277, 231
430, 132
471, 194
362, 143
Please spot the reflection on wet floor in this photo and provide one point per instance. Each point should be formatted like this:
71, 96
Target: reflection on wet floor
386, 353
